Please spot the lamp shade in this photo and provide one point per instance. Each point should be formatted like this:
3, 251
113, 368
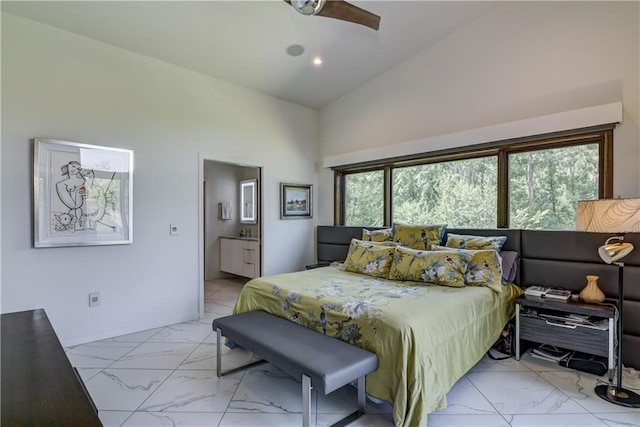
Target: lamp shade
609, 216
612, 252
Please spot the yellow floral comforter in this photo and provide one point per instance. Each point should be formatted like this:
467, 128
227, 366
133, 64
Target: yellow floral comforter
426, 337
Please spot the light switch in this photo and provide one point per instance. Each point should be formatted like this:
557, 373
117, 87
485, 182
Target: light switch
173, 229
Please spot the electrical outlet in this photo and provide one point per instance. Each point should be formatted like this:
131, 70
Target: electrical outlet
173, 229
94, 299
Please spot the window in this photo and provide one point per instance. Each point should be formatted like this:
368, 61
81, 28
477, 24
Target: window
531, 183
545, 185
364, 198
460, 193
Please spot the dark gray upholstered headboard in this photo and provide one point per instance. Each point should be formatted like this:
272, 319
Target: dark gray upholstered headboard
552, 258
333, 242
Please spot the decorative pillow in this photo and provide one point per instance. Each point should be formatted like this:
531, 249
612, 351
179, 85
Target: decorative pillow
384, 235
418, 237
484, 269
446, 268
466, 241
509, 266
367, 242
369, 258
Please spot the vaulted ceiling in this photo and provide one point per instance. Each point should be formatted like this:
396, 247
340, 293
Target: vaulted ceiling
245, 42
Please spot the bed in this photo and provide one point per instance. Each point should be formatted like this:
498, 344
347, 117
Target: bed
436, 343
426, 337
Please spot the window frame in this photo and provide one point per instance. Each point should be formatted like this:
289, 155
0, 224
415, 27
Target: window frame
602, 135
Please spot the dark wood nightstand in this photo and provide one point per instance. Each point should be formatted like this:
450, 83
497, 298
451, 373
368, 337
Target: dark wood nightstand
544, 320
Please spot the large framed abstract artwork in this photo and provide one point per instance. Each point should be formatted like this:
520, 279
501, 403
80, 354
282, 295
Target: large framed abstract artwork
296, 201
82, 194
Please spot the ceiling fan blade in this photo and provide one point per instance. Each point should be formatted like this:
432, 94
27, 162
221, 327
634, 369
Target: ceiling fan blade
340, 9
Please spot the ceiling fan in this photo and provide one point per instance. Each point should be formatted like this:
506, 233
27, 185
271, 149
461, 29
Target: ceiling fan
337, 9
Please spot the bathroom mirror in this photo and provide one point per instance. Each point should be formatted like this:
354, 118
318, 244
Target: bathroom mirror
248, 201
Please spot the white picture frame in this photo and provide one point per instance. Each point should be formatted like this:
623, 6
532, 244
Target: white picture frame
83, 194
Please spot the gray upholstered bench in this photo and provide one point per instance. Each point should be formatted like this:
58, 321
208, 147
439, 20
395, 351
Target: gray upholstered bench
322, 362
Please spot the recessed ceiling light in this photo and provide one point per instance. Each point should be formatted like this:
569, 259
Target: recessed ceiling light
317, 61
295, 50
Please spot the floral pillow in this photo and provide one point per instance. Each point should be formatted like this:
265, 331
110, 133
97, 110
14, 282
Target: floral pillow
369, 258
467, 241
368, 242
446, 268
484, 268
384, 235
418, 237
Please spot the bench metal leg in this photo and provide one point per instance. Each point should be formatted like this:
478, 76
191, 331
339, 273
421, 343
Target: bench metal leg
362, 406
306, 401
219, 358
219, 352
362, 398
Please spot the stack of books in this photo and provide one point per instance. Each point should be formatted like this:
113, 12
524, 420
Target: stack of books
550, 353
548, 292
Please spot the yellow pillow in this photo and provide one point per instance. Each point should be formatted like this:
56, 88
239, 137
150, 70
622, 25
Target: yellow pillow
466, 241
367, 242
446, 268
369, 258
418, 237
484, 269
383, 235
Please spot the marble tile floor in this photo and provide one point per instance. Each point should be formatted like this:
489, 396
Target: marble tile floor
167, 376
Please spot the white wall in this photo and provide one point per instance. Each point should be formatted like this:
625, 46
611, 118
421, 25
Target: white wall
521, 60
59, 85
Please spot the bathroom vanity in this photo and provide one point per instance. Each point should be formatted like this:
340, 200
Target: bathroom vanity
240, 256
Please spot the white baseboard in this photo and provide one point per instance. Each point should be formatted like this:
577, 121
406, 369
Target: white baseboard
159, 323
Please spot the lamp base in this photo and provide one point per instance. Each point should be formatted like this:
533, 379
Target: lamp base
623, 397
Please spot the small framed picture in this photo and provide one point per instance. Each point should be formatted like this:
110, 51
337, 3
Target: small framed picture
82, 194
296, 201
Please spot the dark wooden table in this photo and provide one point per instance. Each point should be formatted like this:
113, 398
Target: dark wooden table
39, 386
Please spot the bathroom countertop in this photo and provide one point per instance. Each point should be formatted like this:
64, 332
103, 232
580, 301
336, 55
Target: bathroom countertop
252, 239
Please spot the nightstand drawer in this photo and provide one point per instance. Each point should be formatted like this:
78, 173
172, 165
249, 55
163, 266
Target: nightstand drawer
587, 340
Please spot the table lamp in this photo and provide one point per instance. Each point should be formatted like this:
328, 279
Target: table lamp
618, 216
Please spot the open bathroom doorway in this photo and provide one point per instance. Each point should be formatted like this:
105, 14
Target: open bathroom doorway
230, 219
